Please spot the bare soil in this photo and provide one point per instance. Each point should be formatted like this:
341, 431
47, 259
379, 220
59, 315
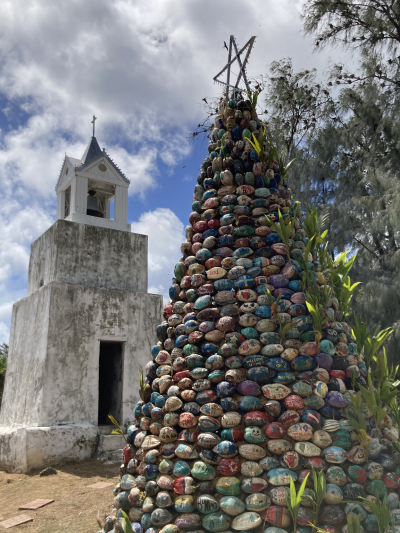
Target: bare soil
76, 508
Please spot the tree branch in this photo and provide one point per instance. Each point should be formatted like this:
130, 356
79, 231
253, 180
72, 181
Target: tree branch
366, 247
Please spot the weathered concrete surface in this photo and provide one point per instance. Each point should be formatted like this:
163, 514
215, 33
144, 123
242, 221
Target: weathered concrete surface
24, 449
86, 285
82, 254
99, 222
53, 368
109, 443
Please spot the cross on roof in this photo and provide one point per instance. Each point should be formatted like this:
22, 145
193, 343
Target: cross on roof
242, 66
93, 122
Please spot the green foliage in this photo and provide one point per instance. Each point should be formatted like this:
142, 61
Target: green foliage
126, 524
395, 409
293, 501
142, 386
258, 145
285, 168
346, 295
356, 417
316, 310
280, 159
3, 366
382, 372
360, 333
372, 401
379, 509
319, 481
284, 328
342, 287
364, 27
370, 343
379, 398
353, 523
117, 431
295, 103
253, 97
284, 231
314, 225
374, 343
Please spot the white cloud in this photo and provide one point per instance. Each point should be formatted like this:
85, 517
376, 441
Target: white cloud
166, 233
142, 69
20, 226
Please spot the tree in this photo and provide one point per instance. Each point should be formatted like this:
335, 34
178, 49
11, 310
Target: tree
3, 366
355, 159
366, 26
348, 165
295, 104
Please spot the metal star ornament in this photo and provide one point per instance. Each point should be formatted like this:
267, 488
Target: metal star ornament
242, 66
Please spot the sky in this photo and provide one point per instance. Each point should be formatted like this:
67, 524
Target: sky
142, 68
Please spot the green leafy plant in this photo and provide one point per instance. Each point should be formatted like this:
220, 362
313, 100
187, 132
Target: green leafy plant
274, 305
316, 310
353, 523
396, 446
280, 159
117, 431
222, 143
126, 524
253, 97
346, 293
284, 231
293, 500
313, 224
379, 508
258, 145
360, 333
382, 372
142, 386
357, 419
369, 342
319, 482
374, 343
284, 169
307, 271
284, 328
395, 409
339, 272
379, 398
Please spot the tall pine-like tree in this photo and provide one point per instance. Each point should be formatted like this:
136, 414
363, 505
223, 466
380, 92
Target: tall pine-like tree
347, 163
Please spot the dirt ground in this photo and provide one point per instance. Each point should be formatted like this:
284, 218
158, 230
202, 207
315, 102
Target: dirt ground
76, 507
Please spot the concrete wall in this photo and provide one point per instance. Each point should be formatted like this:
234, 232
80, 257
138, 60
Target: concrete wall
23, 391
81, 254
52, 377
25, 449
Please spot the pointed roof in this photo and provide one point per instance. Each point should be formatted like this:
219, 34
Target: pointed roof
92, 152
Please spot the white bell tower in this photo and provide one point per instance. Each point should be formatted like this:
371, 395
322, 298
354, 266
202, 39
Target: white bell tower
87, 186
82, 335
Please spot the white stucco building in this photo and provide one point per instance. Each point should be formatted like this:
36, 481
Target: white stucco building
82, 335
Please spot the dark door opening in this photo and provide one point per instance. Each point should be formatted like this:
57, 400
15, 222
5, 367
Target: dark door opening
110, 381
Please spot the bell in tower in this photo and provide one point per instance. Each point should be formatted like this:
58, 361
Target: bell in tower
93, 208
92, 189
